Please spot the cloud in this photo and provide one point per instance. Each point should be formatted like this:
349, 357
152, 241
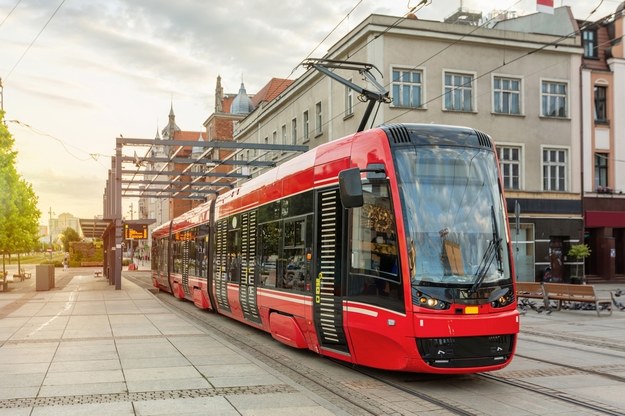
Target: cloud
74, 194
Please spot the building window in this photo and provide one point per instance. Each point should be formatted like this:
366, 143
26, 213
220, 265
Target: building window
510, 163
306, 125
349, 101
523, 243
274, 140
294, 131
554, 169
601, 171
601, 115
283, 137
407, 88
506, 95
589, 40
318, 119
458, 92
554, 99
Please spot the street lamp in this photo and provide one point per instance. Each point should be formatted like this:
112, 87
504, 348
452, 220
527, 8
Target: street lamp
50, 226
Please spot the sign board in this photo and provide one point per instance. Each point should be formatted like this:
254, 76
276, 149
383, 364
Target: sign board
135, 231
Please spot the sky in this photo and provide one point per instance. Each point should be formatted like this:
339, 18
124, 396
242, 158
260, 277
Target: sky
79, 73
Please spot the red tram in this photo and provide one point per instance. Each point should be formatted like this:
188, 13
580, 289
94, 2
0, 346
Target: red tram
388, 248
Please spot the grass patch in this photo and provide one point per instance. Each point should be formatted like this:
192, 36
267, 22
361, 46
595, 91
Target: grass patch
35, 258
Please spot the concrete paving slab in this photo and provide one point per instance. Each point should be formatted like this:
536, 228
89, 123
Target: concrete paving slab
86, 350
86, 365
190, 406
100, 409
82, 389
165, 384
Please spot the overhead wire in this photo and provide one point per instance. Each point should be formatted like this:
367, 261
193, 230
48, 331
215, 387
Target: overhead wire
10, 12
35, 39
91, 156
418, 7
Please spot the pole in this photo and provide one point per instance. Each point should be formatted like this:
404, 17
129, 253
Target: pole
118, 217
50, 227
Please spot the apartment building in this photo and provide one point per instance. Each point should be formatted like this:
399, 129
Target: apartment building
521, 88
603, 134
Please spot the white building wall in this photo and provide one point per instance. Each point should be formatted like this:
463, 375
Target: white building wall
587, 117
618, 123
436, 47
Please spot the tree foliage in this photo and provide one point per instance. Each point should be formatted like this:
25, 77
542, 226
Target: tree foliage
69, 235
19, 216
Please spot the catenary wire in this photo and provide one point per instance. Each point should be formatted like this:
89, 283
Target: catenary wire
35, 39
10, 12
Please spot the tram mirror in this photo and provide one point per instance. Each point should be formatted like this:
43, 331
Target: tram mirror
350, 188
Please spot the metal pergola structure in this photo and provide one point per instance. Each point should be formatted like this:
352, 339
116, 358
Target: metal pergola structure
170, 181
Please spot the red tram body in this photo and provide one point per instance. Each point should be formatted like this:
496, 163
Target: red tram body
417, 275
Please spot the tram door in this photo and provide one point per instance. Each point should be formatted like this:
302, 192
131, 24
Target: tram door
220, 270
247, 285
328, 285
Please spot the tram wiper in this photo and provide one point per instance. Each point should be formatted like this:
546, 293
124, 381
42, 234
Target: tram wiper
493, 251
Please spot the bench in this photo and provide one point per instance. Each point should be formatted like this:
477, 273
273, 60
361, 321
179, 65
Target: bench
570, 293
22, 275
91, 264
531, 290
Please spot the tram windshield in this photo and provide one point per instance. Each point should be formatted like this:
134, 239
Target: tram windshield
455, 224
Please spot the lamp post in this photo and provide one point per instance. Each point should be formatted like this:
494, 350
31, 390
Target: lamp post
50, 227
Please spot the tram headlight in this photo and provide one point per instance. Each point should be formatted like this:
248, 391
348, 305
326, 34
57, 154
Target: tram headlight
503, 300
429, 302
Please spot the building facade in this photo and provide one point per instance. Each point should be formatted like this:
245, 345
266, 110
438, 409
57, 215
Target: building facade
61, 223
520, 88
603, 131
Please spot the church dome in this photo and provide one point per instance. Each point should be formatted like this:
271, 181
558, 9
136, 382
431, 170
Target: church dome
196, 151
242, 104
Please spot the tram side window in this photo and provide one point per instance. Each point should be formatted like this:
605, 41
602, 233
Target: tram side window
158, 254
268, 252
163, 255
192, 255
234, 255
294, 269
177, 256
374, 268
201, 256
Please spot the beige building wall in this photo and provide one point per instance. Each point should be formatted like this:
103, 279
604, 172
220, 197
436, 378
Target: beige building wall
436, 48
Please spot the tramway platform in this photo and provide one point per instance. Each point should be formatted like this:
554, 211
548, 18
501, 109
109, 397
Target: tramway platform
86, 348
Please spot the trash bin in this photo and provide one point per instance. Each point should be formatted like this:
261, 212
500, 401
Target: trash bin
44, 275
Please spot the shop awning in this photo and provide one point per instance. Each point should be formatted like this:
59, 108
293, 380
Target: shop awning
597, 219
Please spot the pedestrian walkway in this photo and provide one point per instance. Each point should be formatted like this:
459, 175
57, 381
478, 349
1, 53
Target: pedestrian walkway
86, 348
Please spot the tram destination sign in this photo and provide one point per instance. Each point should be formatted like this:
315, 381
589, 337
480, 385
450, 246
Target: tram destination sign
135, 231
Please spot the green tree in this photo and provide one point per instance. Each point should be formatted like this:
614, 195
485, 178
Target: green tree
69, 235
19, 216
580, 252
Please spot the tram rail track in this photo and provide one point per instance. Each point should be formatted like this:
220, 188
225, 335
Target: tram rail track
554, 394
577, 339
357, 402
